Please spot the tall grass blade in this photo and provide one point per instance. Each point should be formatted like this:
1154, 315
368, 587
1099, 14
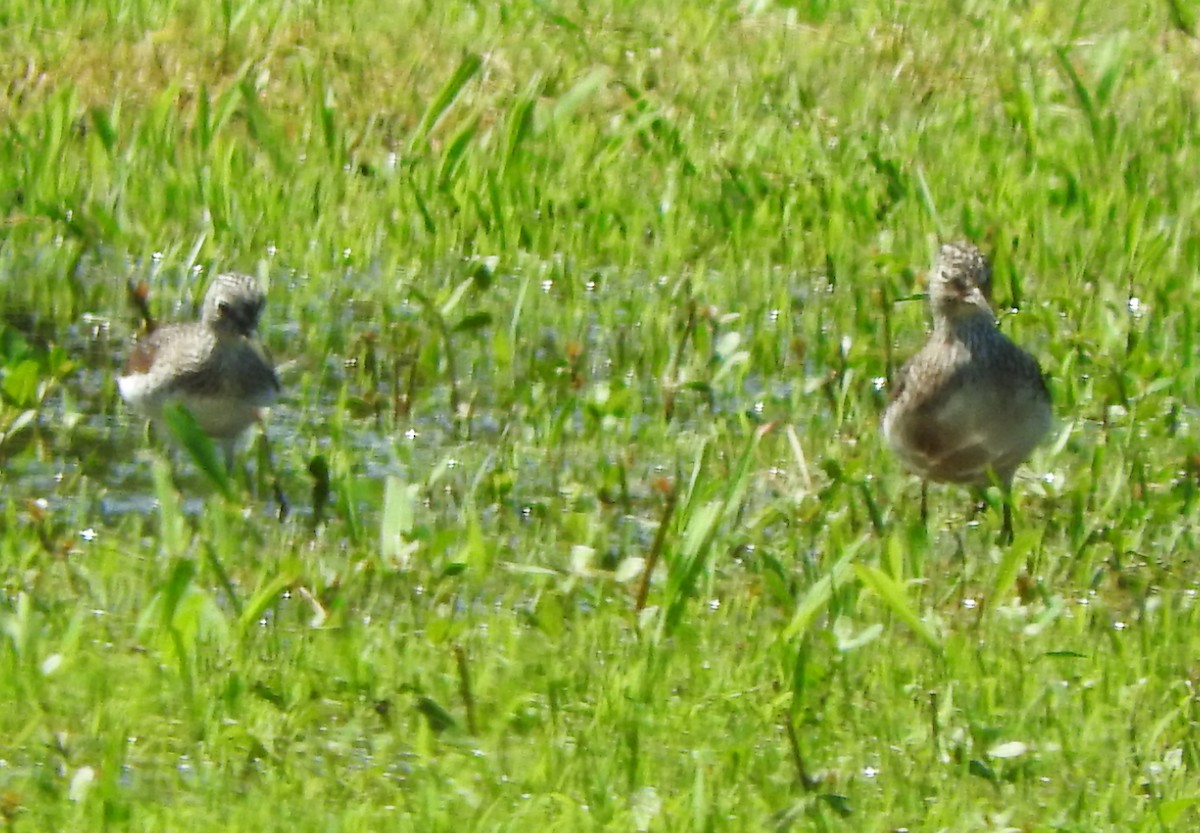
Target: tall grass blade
105, 128
262, 129
199, 447
266, 595
173, 528
399, 517
1084, 97
821, 592
519, 124
574, 98
449, 93
1013, 558
892, 594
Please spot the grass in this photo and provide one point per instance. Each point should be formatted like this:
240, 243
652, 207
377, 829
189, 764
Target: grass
584, 313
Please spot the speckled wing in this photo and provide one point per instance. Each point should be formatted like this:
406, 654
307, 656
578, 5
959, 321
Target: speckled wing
256, 380
239, 370
228, 392
157, 361
924, 423
956, 419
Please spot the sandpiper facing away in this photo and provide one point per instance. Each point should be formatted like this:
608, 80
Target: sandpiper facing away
214, 367
970, 406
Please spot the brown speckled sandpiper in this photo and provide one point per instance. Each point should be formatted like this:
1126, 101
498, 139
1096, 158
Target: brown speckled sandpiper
214, 367
970, 406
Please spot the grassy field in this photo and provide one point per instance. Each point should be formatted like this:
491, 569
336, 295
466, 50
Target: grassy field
569, 296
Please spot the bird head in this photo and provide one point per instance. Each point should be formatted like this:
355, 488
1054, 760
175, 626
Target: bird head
960, 284
233, 304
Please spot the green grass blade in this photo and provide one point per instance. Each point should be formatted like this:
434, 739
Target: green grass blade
821, 592
173, 526
519, 125
450, 92
1083, 96
267, 595
262, 128
1012, 560
453, 157
199, 447
892, 594
574, 98
397, 520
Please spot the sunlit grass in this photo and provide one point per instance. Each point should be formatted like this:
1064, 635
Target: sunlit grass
585, 316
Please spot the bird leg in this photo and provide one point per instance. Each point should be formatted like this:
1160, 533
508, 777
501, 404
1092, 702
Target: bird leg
276, 486
1006, 530
1006, 533
1006, 508
227, 448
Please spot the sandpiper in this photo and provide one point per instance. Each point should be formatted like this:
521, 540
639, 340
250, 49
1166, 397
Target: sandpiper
213, 367
970, 406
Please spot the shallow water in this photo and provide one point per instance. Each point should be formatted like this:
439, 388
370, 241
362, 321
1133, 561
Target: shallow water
88, 446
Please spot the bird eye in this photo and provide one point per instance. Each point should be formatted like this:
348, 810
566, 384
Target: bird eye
223, 307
